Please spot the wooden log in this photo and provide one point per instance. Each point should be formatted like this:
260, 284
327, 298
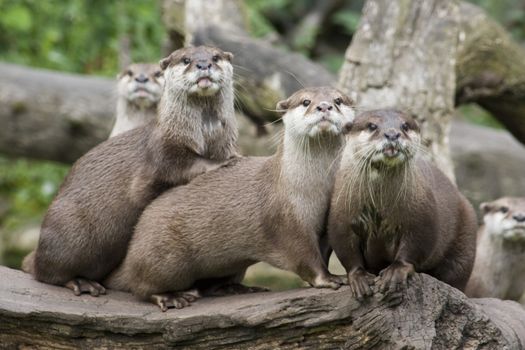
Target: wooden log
432, 315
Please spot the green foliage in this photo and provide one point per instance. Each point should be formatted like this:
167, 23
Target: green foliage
78, 35
510, 13
475, 114
348, 20
28, 187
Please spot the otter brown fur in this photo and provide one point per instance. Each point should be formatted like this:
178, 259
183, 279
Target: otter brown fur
139, 90
499, 268
88, 225
394, 213
268, 209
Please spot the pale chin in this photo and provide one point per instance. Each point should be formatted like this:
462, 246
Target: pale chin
330, 130
204, 92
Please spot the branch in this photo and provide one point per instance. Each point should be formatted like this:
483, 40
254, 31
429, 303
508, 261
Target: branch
491, 69
432, 315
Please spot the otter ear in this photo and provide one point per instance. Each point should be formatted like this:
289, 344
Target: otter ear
165, 62
485, 207
228, 55
283, 105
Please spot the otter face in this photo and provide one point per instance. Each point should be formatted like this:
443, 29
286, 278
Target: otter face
505, 218
386, 136
317, 111
200, 71
141, 84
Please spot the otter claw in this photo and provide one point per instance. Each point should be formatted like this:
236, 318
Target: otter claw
81, 285
360, 283
329, 281
177, 300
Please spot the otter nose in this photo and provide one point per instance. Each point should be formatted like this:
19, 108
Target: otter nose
141, 78
203, 65
324, 106
392, 135
519, 217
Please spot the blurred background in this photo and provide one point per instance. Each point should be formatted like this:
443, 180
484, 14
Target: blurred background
97, 37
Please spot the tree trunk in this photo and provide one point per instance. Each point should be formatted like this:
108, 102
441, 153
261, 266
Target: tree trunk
403, 55
52, 115
432, 315
491, 69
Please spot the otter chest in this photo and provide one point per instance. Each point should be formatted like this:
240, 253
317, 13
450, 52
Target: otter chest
379, 235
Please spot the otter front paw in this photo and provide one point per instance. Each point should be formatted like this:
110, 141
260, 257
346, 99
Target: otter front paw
81, 285
395, 277
177, 300
360, 283
329, 281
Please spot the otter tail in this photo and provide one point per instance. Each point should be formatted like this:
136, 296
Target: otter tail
28, 264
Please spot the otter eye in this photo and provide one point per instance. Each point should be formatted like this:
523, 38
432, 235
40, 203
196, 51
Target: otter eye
129, 73
215, 58
504, 209
405, 127
186, 60
372, 126
158, 74
306, 102
338, 101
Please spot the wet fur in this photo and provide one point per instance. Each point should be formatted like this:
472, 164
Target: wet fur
88, 225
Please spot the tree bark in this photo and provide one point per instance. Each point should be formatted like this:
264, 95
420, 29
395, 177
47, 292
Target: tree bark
403, 54
491, 69
432, 315
52, 115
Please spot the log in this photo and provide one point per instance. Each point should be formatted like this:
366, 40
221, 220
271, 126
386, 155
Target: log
432, 315
52, 115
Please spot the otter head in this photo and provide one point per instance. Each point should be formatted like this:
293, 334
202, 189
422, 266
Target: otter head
141, 84
385, 137
317, 111
198, 71
505, 218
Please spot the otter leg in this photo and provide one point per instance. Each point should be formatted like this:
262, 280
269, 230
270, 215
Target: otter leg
81, 285
176, 300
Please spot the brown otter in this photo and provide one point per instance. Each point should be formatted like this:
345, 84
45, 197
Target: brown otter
499, 268
139, 90
88, 225
393, 212
268, 209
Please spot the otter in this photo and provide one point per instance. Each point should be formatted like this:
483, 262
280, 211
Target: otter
394, 213
139, 90
88, 225
254, 209
499, 268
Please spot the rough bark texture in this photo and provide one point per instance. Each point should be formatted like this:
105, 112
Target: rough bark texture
432, 315
53, 115
491, 69
403, 55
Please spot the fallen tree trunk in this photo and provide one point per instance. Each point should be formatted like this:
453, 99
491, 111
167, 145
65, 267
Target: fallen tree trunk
52, 115
432, 315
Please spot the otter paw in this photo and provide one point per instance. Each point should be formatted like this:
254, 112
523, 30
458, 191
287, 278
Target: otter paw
81, 285
232, 289
395, 277
177, 300
360, 283
328, 281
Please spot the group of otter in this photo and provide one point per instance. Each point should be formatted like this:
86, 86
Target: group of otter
168, 210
